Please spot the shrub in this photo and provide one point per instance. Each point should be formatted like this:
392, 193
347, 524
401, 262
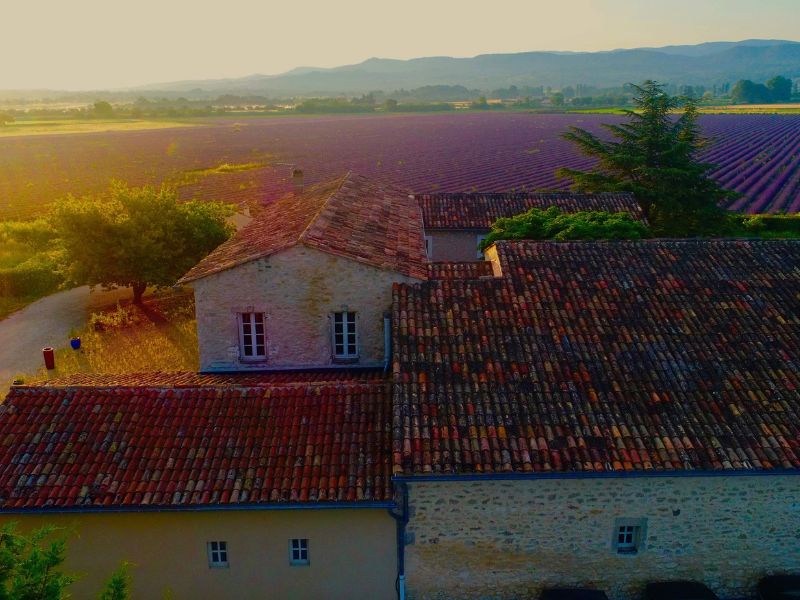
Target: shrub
552, 224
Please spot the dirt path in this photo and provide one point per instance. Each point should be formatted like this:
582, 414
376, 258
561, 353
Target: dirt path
46, 322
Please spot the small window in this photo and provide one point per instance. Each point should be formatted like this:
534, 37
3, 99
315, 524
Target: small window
217, 555
478, 241
345, 338
429, 247
629, 535
298, 552
252, 339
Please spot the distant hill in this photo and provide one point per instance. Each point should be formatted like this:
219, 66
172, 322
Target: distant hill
706, 64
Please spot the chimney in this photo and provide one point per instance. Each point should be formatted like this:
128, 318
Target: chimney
297, 180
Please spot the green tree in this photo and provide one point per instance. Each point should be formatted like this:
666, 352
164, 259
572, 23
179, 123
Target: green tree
136, 237
747, 92
103, 109
30, 566
5, 119
654, 156
118, 586
780, 88
552, 224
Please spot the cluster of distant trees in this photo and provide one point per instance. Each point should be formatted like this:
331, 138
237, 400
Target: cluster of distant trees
777, 89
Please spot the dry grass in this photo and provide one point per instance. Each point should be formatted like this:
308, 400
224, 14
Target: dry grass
159, 336
756, 109
50, 126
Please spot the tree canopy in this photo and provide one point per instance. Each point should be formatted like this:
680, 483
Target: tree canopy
777, 89
552, 224
136, 237
654, 155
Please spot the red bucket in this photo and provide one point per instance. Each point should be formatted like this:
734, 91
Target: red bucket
49, 358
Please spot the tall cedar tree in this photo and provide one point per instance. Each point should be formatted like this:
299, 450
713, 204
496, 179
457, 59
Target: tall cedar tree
655, 157
136, 237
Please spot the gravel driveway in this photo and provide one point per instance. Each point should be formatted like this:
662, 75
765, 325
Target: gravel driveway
47, 322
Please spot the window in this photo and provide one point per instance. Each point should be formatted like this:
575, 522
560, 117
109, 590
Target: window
478, 240
252, 341
345, 340
629, 535
429, 246
298, 552
217, 555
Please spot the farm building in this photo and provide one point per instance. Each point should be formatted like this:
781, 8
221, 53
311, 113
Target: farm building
456, 223
587, 413
315, 270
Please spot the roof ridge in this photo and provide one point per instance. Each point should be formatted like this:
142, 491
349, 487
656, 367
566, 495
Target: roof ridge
187, 386
342, 179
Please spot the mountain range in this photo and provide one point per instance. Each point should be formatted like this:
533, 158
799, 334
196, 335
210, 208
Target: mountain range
701, 64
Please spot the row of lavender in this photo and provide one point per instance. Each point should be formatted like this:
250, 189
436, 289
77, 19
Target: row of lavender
757, 155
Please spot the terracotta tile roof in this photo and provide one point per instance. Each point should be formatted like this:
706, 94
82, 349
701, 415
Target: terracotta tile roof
603, 356
193, 379
192, 446
370, 222
460, 270
480, 210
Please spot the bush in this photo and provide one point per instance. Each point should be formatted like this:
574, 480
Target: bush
552, 224
37, 276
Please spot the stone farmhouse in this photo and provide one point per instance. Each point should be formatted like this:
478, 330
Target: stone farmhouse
369, 424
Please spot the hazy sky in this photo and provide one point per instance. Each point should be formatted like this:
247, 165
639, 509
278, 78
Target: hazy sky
90, 44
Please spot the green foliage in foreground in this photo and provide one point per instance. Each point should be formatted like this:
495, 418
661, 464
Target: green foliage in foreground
552, 224
31, 567
136, 237
118, 586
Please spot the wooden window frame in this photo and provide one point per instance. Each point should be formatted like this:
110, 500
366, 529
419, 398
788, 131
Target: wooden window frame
240, 323
346, 356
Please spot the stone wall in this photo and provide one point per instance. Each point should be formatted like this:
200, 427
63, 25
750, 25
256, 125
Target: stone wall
298, 290
508, 539
458, 245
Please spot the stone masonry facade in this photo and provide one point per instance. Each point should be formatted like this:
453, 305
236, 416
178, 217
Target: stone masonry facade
508, 539
297, 289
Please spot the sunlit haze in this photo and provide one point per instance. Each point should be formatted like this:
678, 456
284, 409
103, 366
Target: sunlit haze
95, 44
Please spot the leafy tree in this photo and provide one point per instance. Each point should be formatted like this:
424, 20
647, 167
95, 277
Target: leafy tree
552, 224
103, 109
136, 237
655, 157
30, 566
780, 88
6, 118
747, 92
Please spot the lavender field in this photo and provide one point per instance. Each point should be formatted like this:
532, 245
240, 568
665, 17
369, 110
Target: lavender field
756, 155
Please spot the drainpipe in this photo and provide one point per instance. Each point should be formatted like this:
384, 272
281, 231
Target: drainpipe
402, 520
387, 341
